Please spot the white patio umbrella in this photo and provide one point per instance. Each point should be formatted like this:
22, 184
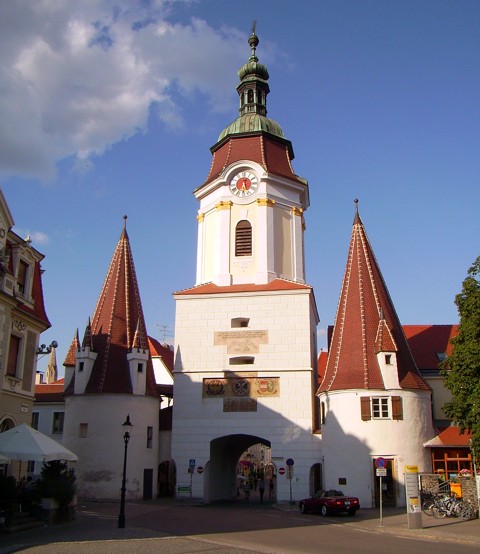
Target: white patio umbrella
24, 443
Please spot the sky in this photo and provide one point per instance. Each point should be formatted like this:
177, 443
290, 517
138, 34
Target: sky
109, 108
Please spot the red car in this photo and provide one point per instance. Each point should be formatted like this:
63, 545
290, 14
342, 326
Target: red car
330, 502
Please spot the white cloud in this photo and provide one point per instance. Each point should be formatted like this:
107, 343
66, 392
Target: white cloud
76, 77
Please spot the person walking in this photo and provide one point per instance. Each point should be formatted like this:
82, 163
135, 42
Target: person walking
261, 488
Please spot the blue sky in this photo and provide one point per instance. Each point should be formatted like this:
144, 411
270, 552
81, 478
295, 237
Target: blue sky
107, 110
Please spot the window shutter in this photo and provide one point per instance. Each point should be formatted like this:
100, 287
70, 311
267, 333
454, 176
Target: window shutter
397, 407
365, 408
243, 239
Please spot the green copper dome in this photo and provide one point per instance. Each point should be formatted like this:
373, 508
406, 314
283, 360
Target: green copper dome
252, 91
252, 123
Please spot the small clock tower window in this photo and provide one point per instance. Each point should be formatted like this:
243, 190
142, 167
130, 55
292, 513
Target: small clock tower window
243, 239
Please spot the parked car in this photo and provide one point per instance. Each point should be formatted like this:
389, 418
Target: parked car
330, 502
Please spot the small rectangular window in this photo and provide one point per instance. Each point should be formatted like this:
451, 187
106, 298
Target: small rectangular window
35, 418
140, 368
83, 430
388, 359
81, 365
239, 322
149, 437
380, 408
58, 418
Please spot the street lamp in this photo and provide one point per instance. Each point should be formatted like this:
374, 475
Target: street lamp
127, 426
43, 349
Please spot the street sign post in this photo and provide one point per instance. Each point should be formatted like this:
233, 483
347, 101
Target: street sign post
191, 469
290, 462
381, 465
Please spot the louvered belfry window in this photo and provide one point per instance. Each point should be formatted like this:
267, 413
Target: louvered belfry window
243, 239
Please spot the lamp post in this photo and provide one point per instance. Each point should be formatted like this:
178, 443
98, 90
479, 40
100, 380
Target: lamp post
126, 437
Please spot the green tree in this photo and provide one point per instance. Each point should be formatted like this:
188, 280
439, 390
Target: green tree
461, 369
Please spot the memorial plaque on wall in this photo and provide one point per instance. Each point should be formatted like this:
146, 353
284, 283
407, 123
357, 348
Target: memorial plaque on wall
239, 405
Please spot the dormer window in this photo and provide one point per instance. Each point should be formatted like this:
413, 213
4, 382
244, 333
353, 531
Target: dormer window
441, 356
22, 276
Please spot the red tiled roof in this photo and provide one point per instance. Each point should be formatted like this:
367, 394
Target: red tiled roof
322, 365
364, 303
426, 341
449, 437
276, 284
272, 153
164, 352
52, 392
70, 358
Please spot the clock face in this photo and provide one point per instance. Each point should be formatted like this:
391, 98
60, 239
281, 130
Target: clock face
244, 184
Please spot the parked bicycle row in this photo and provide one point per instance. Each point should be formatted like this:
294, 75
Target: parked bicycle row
448, 505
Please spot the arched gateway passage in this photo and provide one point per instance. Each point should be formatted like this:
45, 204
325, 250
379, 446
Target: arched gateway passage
221, 479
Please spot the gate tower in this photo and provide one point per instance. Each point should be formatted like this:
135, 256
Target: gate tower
245, 334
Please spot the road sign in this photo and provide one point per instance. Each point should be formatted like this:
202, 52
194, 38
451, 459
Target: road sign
184, 489
381, 471
290, 472
380, 463
281, 471
199, 469
289, 462
191, 463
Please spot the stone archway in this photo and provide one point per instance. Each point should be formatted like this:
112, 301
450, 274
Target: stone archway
222, 467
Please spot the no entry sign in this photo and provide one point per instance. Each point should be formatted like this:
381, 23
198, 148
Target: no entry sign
281, 471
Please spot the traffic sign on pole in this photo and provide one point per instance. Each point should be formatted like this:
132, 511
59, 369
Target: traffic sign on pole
380, 463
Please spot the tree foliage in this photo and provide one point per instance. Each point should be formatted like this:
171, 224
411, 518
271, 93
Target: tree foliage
461, 369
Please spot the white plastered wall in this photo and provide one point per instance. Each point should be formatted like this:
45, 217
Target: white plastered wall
284, 421
100, 455
351, 444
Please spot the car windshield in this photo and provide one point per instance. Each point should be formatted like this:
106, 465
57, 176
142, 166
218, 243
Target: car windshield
333, 493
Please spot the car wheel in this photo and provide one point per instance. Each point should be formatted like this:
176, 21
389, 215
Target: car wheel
351, 512
324, 511
303, 508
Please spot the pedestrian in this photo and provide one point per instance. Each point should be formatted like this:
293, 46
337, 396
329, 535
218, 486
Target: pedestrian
246, 490
270, 488
261, 488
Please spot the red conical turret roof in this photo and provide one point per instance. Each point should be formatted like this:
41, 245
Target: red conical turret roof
366, 324
117, 326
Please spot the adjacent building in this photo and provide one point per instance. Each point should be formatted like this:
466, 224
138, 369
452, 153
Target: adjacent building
22, 319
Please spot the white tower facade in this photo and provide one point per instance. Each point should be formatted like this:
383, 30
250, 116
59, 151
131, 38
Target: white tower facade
245, 340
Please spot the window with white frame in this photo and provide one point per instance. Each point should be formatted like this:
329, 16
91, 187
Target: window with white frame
380, 407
